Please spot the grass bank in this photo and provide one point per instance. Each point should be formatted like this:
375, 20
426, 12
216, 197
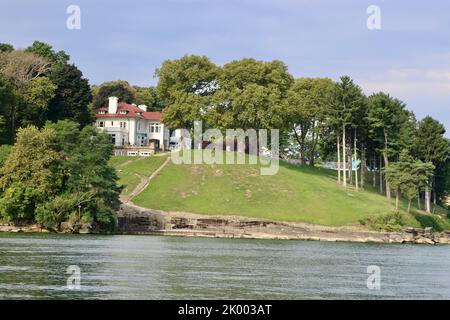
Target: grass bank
132, 169
296, 194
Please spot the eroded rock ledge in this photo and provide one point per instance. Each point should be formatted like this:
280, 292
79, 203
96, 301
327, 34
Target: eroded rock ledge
133, 219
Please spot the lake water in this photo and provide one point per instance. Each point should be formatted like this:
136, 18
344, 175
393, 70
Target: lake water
156, 267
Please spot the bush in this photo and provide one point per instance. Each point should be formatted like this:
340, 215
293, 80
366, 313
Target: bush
4, 153
18, 204
385, 222
52, 213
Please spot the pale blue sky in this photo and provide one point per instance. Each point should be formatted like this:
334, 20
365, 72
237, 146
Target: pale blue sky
409, 57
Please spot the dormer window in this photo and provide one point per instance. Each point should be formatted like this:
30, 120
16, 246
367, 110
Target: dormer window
123, 112
102, 112
139, 113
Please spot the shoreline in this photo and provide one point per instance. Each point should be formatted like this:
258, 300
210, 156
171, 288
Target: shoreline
135, 220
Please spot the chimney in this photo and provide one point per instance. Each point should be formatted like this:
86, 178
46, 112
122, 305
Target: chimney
143, 107
112, 105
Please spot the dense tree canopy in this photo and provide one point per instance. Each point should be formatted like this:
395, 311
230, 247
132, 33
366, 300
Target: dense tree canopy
5, 47
148, 97
59, 173
46, 51
42, 86
72, 96
185, 86
307, 101
120, 89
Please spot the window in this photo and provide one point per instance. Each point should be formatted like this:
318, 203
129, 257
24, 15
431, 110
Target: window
101, 124
155, 127
102, 112
112, 123
123, 124
123, 112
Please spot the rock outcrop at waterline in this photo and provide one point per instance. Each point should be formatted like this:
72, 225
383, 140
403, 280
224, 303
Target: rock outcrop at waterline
66, 227
133, 219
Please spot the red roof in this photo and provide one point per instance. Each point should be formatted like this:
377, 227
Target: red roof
133, 112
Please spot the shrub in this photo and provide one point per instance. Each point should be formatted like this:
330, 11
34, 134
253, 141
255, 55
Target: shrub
17, 204
4, 153
51, 213
385, 222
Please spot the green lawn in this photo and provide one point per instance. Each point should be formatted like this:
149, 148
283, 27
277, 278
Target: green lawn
293, 194
129, 169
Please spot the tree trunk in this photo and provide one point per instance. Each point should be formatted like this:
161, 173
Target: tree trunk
303, 151
434, 193
344, 164
363, 166
374, 175
349, 160
339, 158
356, 168
381, 174
386, 165
418, 200
409, 206
301, 141
315, 138
311, 153
427, 199
397, 196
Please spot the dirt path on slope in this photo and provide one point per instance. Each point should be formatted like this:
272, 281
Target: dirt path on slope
145, 181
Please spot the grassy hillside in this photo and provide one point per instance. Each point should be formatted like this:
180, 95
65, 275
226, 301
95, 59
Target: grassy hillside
294, 194
131, 169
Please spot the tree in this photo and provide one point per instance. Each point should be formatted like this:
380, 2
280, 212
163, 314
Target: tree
18, 204
46, 51
34, 100
386, 116
60, 173
6, 101
6, 47
72, 96
120, 89
20, 68
394, 176
189, 74
430, 145
183, 111
29, 163
86, 178
251, 95
185, 86
408, 176
348, 100
148, 97
307, 100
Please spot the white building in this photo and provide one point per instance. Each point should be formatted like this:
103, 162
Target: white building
132, 126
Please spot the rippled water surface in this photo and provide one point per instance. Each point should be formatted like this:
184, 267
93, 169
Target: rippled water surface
153, 267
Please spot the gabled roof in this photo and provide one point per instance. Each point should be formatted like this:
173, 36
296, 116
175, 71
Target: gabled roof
132, 112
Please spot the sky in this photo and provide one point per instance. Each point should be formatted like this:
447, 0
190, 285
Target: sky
408, 57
